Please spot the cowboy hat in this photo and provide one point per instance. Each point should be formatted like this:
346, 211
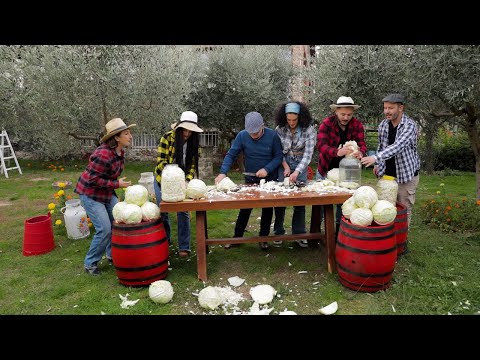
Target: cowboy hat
188, 121
344, 101
114, 127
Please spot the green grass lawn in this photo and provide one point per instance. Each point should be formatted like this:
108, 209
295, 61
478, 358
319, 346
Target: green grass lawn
439, 276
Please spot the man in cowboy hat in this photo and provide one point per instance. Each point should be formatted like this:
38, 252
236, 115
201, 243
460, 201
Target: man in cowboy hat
179, 146
334, 131
96, 187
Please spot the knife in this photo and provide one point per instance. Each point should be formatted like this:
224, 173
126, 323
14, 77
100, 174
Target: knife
249, 174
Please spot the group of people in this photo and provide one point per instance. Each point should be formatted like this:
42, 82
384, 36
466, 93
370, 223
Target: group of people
270, 154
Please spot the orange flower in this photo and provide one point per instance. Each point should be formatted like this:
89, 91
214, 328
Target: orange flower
448, 207
478, 202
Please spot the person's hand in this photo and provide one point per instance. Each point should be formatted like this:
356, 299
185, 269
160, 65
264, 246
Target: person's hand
375, 170
219, 178
358, 155
293, 177
286, 171
261, 173
368, 160
122, 183
344, 151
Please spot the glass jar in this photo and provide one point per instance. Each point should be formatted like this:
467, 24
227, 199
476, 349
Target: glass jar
350, 173
387, 189
146, 180
173, 183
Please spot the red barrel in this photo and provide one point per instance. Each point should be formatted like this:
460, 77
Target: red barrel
365, 256
401, 228
140, 252
38, 235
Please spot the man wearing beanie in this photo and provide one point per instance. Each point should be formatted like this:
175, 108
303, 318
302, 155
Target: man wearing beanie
262, 151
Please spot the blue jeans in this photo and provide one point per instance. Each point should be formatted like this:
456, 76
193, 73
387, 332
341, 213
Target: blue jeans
338, 214
101, 216
244, 214
183, 222
298, 219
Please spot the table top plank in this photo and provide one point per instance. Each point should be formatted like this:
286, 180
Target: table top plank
253, 198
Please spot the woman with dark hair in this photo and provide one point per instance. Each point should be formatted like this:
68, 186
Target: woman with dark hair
179, 146
298, 137
97, 185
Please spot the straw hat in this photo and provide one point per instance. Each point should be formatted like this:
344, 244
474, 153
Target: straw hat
113, 127
344, 101
189, 121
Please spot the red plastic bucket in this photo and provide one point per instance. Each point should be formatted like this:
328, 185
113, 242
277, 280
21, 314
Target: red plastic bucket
38, 235
140, 252
401, 228
365, 256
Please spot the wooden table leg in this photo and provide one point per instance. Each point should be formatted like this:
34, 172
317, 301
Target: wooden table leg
330, 236
201, 219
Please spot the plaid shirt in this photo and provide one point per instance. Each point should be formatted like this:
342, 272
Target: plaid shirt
328, 139
404, 149
303, 141
99, 180
166, 155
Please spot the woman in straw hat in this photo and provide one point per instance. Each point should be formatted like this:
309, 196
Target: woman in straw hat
179, 146
97, 185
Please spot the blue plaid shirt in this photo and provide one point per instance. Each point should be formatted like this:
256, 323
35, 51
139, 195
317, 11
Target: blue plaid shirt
303, 141
404, 149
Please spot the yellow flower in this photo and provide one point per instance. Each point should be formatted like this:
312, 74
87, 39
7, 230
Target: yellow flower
438, 192
51, 206
52, 212
61, 185
58, 222
60, 193
442, 184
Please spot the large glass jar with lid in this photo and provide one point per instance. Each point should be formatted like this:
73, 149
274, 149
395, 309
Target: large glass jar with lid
173, 183
387, 189
147, 179
350, 173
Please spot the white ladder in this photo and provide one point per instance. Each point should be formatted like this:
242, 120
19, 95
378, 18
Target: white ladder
7, 153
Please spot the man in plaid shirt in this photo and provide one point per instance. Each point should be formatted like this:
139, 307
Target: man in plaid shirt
334, 131
397, 154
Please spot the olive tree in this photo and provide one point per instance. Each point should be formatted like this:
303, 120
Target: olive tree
75, 90
240, 79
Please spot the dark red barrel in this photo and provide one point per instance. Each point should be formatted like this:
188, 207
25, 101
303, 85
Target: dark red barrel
401, 228
38, 235
365, 256
140, 252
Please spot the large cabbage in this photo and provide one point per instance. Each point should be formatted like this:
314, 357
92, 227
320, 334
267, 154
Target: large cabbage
118, 211
348, 206
150, 211
136, 194
365, 197
196, 189
333, 175
262, 294
226, 184
384, 212
132, 214
160, 291
362, 217
210, 298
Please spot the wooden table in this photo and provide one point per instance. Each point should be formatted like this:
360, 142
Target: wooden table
253, 198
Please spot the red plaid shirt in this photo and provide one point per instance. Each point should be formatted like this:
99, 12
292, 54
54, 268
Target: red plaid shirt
99, 180
328, 139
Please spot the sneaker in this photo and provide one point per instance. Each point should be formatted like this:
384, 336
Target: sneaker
263, 245
93, 271
183, 253
302, 243
277, 243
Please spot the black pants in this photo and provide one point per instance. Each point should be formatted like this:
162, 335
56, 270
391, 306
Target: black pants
244, 214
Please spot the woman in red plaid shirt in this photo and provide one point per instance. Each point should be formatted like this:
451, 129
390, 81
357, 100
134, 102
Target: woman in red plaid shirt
97, 185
